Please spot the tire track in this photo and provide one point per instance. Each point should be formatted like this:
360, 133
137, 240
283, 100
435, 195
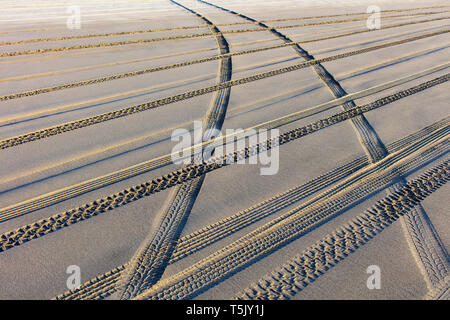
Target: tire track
63, 194
424, 243
348, 45
115, 49
201, 238
268, 238
92, 81
440, 292
112, 34
367, 136
99, 154
83, 104
45, 226
319, 32
179, 53
293, 276
189, 36
92, 102
150, 260
419, 230
78, 124
226, 24
98, 66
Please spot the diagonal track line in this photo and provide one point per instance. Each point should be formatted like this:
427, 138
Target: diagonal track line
160, 68
105, 284
150, 260
277, 233
102, 181
74, 125
293, 276
122, 33
43, 227
191, 36
225, 24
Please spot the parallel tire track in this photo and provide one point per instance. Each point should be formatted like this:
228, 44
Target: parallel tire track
88, 36
434, 261
74, 125
279, 232
43, 227
293, 276
150, 260
76, 84
229, 24
95, 288
425, 244
431, 257
210, 234
189, 36
368, 137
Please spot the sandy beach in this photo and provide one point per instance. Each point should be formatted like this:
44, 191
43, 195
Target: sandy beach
96, 95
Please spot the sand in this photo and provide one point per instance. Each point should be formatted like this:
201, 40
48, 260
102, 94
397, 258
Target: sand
35, 267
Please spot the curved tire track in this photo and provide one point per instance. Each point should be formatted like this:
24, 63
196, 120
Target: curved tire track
123, 33
188, 36
81, 83
43, 227
368, 137
78, 124
150, 260
69, 192
273, 235
191, 243
226, 24
299, 272
430, 255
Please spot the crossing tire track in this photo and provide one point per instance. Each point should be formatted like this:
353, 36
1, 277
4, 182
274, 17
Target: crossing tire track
424, 243
112, 34
189, 36
203, 237
78, 124
277, 233
230, 24
367, 136
69, 192
92, 81
294, 275
45, 226
150, 260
